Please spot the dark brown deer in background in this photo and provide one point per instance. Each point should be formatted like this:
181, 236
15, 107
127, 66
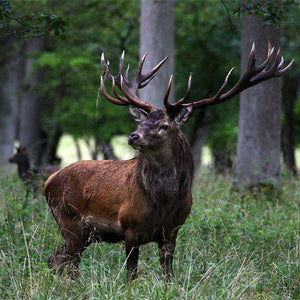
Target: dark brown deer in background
28, 175
145, 199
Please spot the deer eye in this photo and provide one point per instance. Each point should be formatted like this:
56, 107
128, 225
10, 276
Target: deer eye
164, 127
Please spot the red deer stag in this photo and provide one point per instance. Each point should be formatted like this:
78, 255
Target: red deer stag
147, 198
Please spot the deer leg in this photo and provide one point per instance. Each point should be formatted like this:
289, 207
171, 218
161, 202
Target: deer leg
70, 253
56, 261
132, 256
166, 246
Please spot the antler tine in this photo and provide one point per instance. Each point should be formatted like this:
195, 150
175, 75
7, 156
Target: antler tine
119, 97
108, 97
127, 71
281, 62
134, 100
121, 66
166, 102
224, 84
173, 107
205, 102
270, 68
145, 79
252, 58
107, 73
127, 87
187, 92
286, 69
105, 67
267, 60
140, 66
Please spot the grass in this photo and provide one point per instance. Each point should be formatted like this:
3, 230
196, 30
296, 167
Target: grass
231, 247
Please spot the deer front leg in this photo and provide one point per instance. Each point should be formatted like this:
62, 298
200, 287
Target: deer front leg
132, 256
166, 246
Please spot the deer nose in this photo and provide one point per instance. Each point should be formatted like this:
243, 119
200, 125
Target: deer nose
133, 137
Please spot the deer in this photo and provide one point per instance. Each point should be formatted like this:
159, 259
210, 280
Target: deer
28, 175
147, 198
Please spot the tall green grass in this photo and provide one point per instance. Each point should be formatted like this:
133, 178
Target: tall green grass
231, 247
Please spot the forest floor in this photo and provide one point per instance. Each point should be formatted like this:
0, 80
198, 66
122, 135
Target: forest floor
231, 247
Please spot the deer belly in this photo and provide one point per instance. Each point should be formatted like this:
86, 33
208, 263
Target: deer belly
102, 229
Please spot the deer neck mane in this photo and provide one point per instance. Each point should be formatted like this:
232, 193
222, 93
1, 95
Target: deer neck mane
167, 176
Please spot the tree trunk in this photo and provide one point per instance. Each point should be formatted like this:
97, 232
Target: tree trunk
53, 136
108, 152
290, 93
93, 146
157, 38
258, 152
51, 147
222, 159
77, 148
10, 88
30, 108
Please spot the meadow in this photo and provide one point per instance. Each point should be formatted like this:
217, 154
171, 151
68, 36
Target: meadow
232, 246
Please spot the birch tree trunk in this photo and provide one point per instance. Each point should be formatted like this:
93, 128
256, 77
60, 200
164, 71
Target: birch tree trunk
157, 38
30, 107
258, 152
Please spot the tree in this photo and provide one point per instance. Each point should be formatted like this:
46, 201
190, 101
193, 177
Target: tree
157, 39
30, 24
15, 26
290, 92
290, 95
71, 74
30, 128
11, 67
258, 151
202, 49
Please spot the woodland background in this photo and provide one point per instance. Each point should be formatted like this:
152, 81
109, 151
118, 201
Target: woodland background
50, 69
234, 245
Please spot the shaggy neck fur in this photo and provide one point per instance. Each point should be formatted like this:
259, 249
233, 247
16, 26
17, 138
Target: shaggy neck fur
168, 176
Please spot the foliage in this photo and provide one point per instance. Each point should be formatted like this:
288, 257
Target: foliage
33, 24
272, 12
231, 247
72, 68
202, 49
207, 43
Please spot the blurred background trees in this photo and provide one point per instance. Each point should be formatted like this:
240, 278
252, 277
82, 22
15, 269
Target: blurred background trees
50, 69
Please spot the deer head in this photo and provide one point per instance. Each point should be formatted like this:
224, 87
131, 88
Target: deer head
20, 157
155, 127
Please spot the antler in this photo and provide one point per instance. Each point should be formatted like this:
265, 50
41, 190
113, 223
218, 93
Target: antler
127, 87
174, 107
270, 68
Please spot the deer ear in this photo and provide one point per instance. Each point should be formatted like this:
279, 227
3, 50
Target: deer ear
138, 114
183, 116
